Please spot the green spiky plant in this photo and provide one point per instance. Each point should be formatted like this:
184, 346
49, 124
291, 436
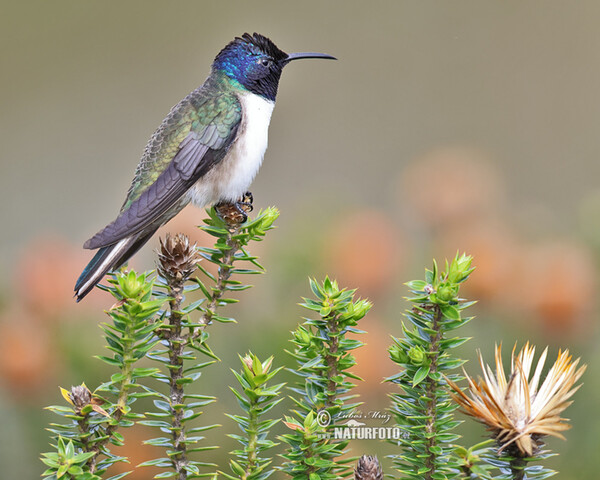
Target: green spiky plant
423, 408
185, 351
255, 398
323, 353
139, 325
153, 320
428, 397
93, 420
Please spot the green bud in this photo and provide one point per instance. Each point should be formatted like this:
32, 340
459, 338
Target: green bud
417, 356
459, 268
360, 309
445, 293
302, 336
330, 287
269, 218
397, 354
132, 285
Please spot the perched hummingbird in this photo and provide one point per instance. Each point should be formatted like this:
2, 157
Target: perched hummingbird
207, 151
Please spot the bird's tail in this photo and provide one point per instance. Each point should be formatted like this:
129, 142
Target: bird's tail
108, 258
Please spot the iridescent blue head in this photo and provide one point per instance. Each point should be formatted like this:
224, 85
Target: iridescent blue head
256, 63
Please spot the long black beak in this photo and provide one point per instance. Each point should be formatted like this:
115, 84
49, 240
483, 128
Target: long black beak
300, 55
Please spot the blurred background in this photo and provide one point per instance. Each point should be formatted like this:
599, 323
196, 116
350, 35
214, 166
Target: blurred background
444, 127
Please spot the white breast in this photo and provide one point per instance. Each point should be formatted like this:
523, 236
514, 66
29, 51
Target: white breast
232, 177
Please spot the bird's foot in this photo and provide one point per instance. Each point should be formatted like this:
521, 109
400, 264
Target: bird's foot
235, 214
244, 204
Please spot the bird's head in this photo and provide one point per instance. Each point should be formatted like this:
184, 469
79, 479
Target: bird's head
256, 63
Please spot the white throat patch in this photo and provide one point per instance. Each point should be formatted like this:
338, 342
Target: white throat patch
232, 177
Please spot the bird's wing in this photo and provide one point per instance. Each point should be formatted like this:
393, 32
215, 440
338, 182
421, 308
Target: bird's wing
208, 130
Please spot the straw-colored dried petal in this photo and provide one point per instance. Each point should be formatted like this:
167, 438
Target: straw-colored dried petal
515, 410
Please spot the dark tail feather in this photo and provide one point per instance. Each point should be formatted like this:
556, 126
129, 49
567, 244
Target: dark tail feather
92, 273
106, 259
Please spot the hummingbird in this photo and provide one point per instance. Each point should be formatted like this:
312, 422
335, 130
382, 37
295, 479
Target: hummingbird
206, 151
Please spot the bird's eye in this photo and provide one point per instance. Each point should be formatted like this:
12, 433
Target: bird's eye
265, 62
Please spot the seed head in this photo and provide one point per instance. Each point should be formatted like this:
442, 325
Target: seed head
368, 468
177, 259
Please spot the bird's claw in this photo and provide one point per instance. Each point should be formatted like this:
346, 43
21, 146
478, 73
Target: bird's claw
235, 214
244, 204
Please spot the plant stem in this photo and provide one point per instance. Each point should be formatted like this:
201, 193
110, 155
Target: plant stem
430, 393
123, 395
331, 361
84, 429
177, 343
252, 440
517, 468
223, 275
310, 469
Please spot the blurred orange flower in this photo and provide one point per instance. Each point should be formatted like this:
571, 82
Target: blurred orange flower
136, 452
496, 253
363, 250
28, 360
46, 272
558, 283
450, 185
372, 360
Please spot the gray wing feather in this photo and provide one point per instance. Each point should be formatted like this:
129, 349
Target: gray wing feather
191, 162
213, 128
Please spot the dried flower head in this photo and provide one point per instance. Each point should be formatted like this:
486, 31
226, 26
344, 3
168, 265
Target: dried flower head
177, 258
81, 397
368, 468
519, 411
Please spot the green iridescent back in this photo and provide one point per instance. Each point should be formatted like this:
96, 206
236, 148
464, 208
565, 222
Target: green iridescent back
212, 111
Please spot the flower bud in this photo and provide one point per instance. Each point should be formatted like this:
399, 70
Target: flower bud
417, 356
302, 336
131, 285
397, 354
247, 360
445, 293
